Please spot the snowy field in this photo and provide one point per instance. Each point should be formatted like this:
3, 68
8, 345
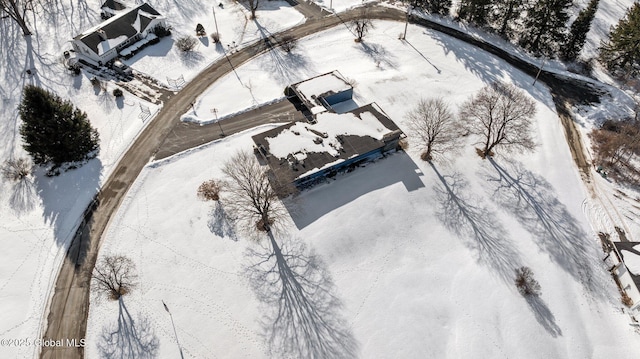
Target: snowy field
39, 216
396, 259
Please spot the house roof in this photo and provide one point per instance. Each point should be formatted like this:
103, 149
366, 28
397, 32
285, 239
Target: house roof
311, 90
630, 252
298, 149
113, 5
118, 28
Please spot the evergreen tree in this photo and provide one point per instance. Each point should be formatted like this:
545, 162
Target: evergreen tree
439, 7
622, 50
475, 11
578, 31
505, 13
53, 130
545, 26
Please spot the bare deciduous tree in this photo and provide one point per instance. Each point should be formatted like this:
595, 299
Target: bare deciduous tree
210, 190
527, 285
251, 199
114, 276
186, 43
17, 9
502, 115
361, 27
433, 127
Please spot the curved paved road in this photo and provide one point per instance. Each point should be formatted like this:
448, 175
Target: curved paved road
70, 304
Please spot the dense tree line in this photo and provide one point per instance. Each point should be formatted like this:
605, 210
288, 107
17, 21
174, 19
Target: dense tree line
541, 26
621, 52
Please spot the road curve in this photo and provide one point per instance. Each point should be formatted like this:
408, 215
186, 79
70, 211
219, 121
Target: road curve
69, 306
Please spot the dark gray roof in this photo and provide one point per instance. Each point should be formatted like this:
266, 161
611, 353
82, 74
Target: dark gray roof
113, 5
352, 146
119, 25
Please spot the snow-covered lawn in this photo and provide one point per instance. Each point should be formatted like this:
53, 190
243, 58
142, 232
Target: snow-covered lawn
397, 259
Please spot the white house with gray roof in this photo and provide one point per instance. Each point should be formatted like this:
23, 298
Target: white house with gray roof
103, 43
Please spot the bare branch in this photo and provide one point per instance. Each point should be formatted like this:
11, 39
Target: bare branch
114, 276
502, 115
251, 199
433, 128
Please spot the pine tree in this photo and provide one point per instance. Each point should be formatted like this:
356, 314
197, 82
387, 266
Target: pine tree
475, 11
53, 130
545, 26
438, 7
578, 32
622, 50
505, 13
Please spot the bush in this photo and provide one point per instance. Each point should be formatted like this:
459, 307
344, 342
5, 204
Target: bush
215, 37
16, 170
186, 43
626, 300
75, 69
200, 30
161, 31
68, 139
288, 43
209, 190
117, 92
527, 285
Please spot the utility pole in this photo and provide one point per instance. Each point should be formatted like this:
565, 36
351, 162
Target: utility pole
174, 328
215, 112
215, 20
539, 71
406, 23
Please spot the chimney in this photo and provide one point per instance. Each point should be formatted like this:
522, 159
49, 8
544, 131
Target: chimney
103, 35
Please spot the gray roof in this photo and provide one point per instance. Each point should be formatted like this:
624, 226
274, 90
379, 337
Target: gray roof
119, 25
353, 146
113, 5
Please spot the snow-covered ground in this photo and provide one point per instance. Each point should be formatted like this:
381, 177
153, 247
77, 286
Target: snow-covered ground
396, 259
39, 216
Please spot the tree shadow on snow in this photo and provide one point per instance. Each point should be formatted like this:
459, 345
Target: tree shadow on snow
378, 54
191, 58
128, 338
543, 315
314, 203
465, 216
220, 223
285, 67
301, 314
23, 196
534, 203
67, 200
489, 68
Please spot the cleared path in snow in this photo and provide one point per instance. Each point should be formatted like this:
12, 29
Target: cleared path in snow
69, 306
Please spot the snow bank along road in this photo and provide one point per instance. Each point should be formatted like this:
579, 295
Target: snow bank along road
67, 318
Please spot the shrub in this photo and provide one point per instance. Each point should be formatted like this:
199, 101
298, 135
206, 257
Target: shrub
161, 31
75, 69
68, 139
117, 92
215, 37
16, 170
200, 30
288, 43
527, 285
186, 43
209, 190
